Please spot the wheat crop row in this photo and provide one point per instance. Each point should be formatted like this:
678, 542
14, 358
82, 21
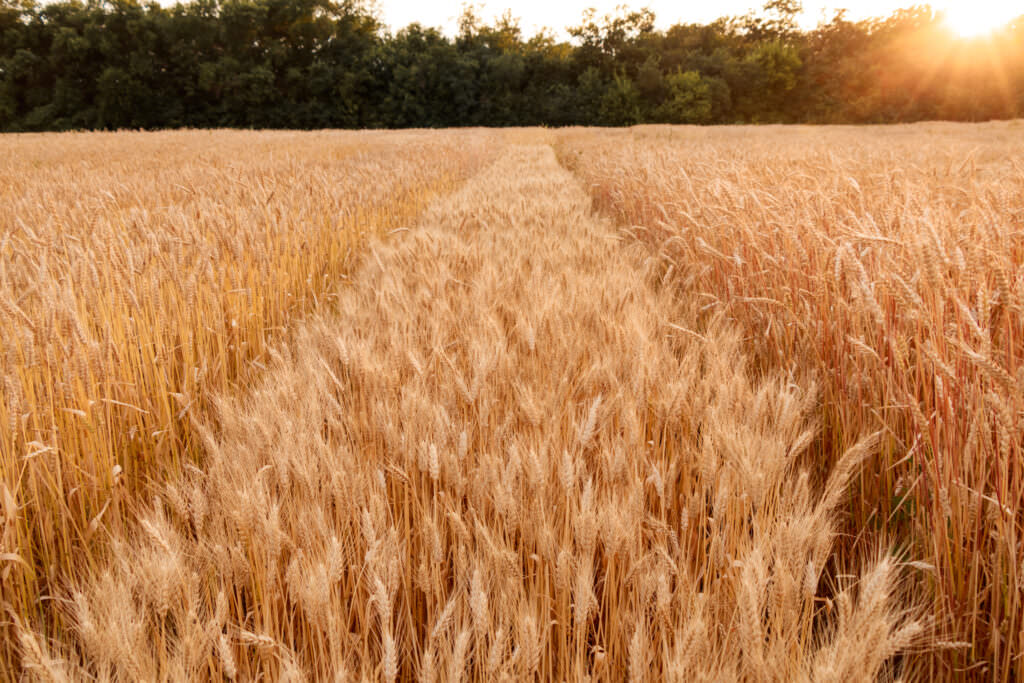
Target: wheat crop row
141, 274
889, 263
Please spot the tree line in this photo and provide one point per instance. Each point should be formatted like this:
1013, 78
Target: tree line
108, 64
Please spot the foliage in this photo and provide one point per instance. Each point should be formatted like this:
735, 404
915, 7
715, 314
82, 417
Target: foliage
689, 99
322, 63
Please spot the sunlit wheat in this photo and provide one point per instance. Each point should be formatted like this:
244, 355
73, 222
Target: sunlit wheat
511, 449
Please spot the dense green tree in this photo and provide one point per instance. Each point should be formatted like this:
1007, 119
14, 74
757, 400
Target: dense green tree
689, 99
765, 80
621, 103
328, 63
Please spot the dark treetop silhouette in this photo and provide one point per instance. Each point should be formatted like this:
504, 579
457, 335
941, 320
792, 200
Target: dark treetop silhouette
318, 64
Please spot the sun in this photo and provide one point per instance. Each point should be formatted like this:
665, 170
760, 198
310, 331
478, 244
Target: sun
977, 19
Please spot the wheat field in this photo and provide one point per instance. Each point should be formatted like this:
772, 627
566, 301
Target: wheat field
664, 403
143, 274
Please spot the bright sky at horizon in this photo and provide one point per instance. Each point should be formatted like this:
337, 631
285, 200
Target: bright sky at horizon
557, 15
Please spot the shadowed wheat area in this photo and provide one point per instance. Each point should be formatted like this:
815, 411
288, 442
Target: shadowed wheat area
510, 452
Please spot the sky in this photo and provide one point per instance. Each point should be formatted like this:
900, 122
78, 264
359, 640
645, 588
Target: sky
557, 14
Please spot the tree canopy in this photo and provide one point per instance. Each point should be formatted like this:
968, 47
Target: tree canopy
107, 64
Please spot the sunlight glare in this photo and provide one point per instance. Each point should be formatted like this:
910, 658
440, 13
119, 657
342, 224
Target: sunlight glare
977, 19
